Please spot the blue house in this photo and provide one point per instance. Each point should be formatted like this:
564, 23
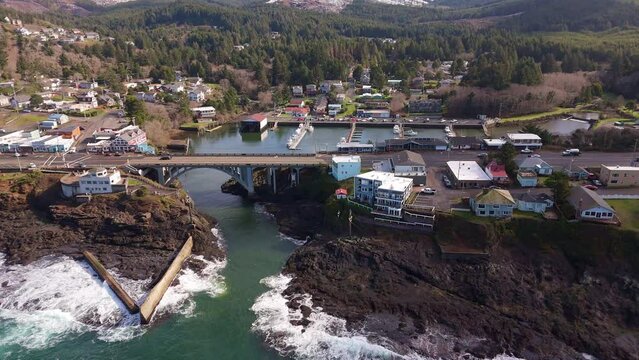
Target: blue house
535, 164
493, 203
527, 178
345, 167
538, 203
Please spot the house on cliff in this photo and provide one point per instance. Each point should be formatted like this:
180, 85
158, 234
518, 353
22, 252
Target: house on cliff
95, 181
493, 203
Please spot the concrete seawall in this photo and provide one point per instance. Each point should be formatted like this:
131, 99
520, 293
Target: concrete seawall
155, 295
128, 302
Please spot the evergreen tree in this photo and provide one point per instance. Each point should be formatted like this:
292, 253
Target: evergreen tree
549, 64
527, 72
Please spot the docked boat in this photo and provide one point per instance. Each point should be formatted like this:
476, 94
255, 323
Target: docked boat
410, 132
396, 129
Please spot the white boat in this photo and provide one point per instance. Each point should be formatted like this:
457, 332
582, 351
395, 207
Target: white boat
447, 129
310, 128
410, 132
396, 129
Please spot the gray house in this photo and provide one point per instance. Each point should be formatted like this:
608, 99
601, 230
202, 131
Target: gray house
535, 164
538, 203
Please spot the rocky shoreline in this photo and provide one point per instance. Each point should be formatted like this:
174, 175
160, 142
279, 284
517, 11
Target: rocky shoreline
135, 234
530, 300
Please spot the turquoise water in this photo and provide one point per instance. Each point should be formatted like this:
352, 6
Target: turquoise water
219, 327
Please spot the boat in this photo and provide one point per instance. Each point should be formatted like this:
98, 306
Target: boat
410, 132
447, 129
396, 129
310, 128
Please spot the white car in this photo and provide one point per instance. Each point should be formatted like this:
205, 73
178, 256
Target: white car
32, 166
526, 151
428, 191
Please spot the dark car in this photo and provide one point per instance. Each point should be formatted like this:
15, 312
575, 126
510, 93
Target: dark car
446, 181
165, 157
591, 187
117, 154
596, 182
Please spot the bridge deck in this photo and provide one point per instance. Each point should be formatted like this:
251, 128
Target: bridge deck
231, 160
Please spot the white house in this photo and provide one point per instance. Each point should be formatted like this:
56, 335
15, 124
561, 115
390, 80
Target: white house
204, 112
521, 141
297, 91
589, 205
538, 203
383, 191
59, 118
197, 95
345, 167
96, 181
493, 203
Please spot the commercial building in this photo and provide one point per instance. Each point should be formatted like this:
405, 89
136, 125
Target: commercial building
95, 181
254, 123
373, 113
67, 132
128, 139
385, 192
11, 142
589, 205
464, 143
467, 174
521, 141
345, 167
52, 144
619, 176
493, 203
435, 144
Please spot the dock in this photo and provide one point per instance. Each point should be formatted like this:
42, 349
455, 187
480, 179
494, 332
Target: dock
299, 134
155, 295
117, 289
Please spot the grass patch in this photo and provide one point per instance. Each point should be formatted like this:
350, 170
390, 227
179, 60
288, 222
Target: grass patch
536, 116
469, 216
135, 182
628, 213
527, 215
601, 123
347, 109
193, 126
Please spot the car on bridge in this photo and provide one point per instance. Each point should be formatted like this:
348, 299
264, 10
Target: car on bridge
166, 157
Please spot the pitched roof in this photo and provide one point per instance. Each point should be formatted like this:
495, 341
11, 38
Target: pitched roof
495, 197
531, 162
404, 158
534, 198
582, 199
497, 170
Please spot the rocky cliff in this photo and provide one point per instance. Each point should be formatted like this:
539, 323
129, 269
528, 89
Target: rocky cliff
137, 234
544, 292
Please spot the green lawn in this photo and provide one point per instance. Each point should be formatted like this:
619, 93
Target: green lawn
20, 119
347, 109
193, 126
628, 213
469, 216
601, 123
557, 111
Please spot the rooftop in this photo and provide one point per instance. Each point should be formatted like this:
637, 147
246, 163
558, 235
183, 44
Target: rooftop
621, 168
534, 198
376, 175
407, 158
581, 199
495, 196
530, 162
347, 159
467, 171
525, 136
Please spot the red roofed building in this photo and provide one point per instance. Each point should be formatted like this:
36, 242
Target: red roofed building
297, 103
341, 193
497, 173
297, 111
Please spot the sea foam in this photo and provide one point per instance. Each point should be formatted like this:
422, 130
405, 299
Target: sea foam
326, 336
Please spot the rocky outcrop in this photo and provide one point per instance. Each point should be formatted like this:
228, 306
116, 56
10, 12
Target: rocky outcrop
135, 234
535, 300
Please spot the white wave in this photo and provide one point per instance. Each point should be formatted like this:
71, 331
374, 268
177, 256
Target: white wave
221, 241
178, 298
54, 298
295, 241
261, 209
58, 298
326, 336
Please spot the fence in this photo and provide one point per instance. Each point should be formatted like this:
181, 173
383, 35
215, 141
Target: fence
620, 197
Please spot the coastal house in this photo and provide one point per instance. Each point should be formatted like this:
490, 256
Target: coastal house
196, 95
497, 173
311, 90
535, 164
128, 139
467, 174
297, 103
405, 163
340, 98
48, 125
106, 100
619, 176
297, 91
87, 85
95, 181
67, 132
537, 203
385, 192
334, 109
321, 103
345, 167
204, 113
493, 203
524, 141
328, 85
526, 178
341, 193
147, 96
590, 206
20, 101
296, 111
59, 118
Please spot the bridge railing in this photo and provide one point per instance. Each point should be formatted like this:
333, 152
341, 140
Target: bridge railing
247, 154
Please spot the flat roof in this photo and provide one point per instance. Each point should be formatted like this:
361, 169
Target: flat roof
621, 168
467, 170
494, 142
203, 108
376, 175
525, 136
347, 159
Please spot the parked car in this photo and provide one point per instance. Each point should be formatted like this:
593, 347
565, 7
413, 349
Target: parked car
526, 151
482, 155
165, 157
596, 182
32, 166
83, 165
428, 191
591, 187
117, 154
534, 156
446, 181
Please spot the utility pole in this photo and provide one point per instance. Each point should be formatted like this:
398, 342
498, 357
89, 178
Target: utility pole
350, 223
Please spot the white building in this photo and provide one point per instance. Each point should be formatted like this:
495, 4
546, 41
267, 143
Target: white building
345, 167
589, 205
386, 193
197, 96
530, 141
467, 174
204, 112
96, 181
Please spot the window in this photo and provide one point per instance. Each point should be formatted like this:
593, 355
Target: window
481, 206
482, 213
491, 212
615, 175
613, 181
587, 213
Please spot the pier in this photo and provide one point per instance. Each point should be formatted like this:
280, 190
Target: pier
299, 134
